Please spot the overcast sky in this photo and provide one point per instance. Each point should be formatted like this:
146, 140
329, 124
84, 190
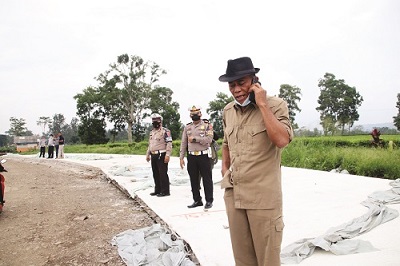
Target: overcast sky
51, 50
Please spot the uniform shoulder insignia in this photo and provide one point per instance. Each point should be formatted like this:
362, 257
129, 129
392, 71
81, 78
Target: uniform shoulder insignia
189, 123
206, 120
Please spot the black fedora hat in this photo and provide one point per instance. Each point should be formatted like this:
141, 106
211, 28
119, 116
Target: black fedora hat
238, 68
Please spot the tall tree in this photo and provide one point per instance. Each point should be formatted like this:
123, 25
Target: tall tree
91, 111
58, 124
89, 103
291, 94
18, 128
161, 103
396, 119
128, 84
70, 131
43, 122
215, 109
338, 103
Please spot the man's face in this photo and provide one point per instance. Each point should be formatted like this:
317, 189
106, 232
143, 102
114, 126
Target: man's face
156, 122
240, 88
198, 113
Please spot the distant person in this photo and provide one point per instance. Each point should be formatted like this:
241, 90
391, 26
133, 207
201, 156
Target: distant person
61, 142
42, 145
196, 139
159, 152
376, 141
256, 129
56, 145
50, 148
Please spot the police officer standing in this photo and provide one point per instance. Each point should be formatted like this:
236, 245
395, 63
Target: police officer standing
196, 139
159, 152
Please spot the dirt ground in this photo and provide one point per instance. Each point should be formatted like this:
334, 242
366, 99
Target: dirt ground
60, 213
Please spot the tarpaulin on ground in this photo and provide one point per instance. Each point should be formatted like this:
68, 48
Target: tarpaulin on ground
338, 240
151, 246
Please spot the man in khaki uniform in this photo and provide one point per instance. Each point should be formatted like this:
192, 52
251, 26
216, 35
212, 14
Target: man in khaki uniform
159, 152
256, 128
196, 139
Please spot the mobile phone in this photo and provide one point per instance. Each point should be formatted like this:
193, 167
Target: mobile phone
252, 97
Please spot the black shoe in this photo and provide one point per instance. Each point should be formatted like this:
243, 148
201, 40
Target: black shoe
163, 194
154, 194
196, 204
208, 205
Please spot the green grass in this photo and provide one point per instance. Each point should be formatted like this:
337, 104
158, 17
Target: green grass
358, 160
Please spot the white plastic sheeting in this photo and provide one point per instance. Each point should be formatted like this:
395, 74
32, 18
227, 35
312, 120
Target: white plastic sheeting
337, 239
151, 246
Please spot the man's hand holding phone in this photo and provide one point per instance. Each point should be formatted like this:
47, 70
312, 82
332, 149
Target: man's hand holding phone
252, 96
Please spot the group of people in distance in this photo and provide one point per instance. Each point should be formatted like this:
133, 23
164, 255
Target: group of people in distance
256, 129
53, 143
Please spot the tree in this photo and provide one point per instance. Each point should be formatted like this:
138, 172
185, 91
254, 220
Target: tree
396, 119
91, 112
70, 131
92, 131
291, 94
126, 87
161, 103
43, 122
58, 124
18, 128
338, 103
215, 110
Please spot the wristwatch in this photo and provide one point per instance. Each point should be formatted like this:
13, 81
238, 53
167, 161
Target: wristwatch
194, 140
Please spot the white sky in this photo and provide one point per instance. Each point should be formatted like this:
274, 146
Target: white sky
50, 50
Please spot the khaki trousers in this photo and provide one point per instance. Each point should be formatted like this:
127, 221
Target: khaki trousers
256, 235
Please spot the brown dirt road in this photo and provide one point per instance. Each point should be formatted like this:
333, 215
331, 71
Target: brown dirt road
60, 213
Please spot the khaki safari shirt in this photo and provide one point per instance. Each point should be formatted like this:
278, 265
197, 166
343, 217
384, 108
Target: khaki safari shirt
160, 140
255, 167
203, 133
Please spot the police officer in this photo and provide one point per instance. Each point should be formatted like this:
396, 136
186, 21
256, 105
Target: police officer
159, 152
196, 139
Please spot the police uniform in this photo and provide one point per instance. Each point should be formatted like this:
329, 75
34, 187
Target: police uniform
198, 158
160, 145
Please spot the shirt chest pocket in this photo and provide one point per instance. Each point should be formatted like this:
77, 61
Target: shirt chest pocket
257, 138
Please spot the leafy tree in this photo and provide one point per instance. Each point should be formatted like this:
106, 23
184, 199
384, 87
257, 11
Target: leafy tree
328, 125
291, 94
89, 103
70, 131
396, 119
18, 128
4, 140
338, 103
215, 109
90, 110
43, 122
58, 124
161, 103
92, 131
126, 89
